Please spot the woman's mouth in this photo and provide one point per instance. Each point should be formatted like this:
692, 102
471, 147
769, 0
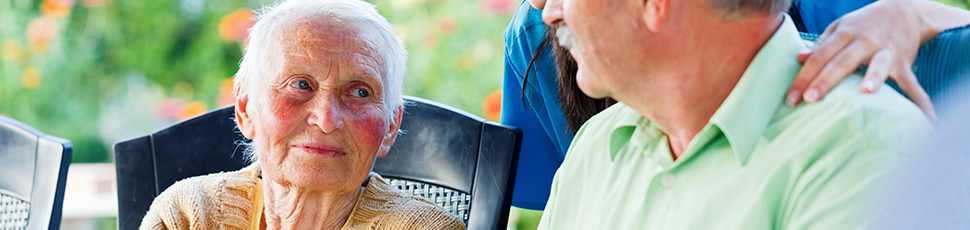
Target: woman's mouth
320, 149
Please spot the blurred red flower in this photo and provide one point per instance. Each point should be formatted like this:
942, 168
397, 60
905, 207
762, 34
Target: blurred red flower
235, 26
499, 6
169, 109
492, 106
446, 24
40, 31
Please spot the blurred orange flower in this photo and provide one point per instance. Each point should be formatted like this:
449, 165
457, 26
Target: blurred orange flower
40, 31
225, 93
56, 8
30, 77
235, 26
192, 109
492, 106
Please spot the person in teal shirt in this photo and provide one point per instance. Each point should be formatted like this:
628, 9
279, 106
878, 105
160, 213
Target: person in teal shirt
702, 138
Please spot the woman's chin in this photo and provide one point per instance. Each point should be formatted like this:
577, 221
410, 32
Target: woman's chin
321, 172
316, 179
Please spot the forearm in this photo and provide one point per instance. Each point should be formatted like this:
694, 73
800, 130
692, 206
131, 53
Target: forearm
937, 17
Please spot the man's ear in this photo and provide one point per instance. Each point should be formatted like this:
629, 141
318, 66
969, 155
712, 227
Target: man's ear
655, 13
243, 119
392, 132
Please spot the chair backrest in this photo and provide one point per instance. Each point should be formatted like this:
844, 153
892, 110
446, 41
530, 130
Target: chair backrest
34, 168
453, 158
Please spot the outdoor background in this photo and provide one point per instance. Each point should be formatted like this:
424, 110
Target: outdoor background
99, 71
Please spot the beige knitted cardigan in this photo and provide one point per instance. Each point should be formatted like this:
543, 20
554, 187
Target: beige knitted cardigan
225, 201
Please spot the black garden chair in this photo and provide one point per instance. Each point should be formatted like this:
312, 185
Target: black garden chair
34, 168
453, 158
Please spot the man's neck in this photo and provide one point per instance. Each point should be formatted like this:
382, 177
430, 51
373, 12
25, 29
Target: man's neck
700, 74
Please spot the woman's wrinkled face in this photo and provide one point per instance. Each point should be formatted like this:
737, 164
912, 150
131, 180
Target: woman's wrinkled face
318, 121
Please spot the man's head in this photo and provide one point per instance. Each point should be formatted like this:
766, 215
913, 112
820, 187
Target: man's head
616, 39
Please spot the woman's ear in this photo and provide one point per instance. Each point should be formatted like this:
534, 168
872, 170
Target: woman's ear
654, 13
393, 129
243, 120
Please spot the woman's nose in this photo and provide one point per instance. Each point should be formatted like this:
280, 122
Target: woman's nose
552, 12
327, 114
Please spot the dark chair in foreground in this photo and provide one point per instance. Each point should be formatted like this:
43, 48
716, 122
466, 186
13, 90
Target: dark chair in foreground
33, 166
451, 157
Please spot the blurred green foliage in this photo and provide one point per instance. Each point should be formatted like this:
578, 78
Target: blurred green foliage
962, 4
99, 71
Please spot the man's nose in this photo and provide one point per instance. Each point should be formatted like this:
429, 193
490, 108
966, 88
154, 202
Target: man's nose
326, 113
552, 12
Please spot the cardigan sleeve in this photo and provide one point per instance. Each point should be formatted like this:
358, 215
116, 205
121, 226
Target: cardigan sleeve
215, 201
166, 212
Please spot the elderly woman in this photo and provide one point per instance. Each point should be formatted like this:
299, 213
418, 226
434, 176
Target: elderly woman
319, 93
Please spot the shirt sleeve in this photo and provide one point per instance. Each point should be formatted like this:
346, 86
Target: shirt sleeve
942, 62
539, 156
840, 194
818, 14
841, 186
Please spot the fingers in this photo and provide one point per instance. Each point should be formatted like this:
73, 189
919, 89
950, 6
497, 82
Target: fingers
804, 56
877, 72
828, 31
813, 63
841, 66
794, 95
908, 83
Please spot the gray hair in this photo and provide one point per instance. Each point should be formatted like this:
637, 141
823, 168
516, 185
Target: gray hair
263, 38
741, 8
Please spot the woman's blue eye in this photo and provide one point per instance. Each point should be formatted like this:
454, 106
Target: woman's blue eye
361, 93
301, 84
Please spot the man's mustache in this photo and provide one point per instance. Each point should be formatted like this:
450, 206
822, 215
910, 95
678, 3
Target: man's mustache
565, 37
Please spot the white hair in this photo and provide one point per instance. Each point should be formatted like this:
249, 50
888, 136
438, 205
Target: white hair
264, 38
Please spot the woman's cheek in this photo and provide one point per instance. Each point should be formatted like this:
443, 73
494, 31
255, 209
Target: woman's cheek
284, 113
369, 128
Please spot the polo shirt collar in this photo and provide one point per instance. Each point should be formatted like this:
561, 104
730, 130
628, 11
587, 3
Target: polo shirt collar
749, 108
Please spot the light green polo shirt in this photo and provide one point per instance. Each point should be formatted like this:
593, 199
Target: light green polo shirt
757, 164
